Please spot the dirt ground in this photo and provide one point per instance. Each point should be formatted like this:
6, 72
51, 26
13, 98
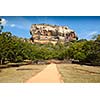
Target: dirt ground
52, 73
75, 73
19, 74
49, 75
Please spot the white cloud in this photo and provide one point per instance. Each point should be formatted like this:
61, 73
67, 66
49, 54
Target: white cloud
3, 21
89, 35
12, 25
92, 33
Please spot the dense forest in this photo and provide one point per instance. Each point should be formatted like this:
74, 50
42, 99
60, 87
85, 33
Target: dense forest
13, 49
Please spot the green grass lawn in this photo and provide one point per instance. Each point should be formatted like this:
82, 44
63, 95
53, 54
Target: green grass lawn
74, 73
19, 74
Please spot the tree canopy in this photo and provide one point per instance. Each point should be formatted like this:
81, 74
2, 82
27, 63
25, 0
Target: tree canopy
14, 49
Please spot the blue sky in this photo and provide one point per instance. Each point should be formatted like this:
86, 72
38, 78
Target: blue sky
84, 26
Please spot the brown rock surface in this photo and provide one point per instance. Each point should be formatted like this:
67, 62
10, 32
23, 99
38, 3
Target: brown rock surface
46, 32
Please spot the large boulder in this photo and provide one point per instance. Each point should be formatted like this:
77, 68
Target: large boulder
51, 32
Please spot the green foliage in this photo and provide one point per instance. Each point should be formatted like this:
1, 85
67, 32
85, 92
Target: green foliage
86, 51
80, 56
14, 49
98, 38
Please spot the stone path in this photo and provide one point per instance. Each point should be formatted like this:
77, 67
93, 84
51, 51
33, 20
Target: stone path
49, 75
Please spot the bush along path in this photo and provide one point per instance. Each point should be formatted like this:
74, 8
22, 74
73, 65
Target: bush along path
49, 75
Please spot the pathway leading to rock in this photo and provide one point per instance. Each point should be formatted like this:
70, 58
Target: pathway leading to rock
49, 75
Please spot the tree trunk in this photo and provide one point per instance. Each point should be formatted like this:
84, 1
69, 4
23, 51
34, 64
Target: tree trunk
1, 61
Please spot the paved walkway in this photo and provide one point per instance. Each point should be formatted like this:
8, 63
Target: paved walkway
49, 75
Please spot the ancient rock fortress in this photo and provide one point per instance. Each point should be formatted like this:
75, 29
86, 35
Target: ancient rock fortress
49, 33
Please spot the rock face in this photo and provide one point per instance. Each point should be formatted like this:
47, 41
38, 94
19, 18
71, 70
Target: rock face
50, 33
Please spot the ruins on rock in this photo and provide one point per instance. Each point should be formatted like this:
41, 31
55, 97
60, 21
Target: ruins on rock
45, 33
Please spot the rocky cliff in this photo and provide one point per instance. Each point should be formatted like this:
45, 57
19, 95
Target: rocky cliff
47, 33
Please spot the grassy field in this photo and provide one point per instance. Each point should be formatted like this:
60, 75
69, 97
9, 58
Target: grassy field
74, 73
19, 74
